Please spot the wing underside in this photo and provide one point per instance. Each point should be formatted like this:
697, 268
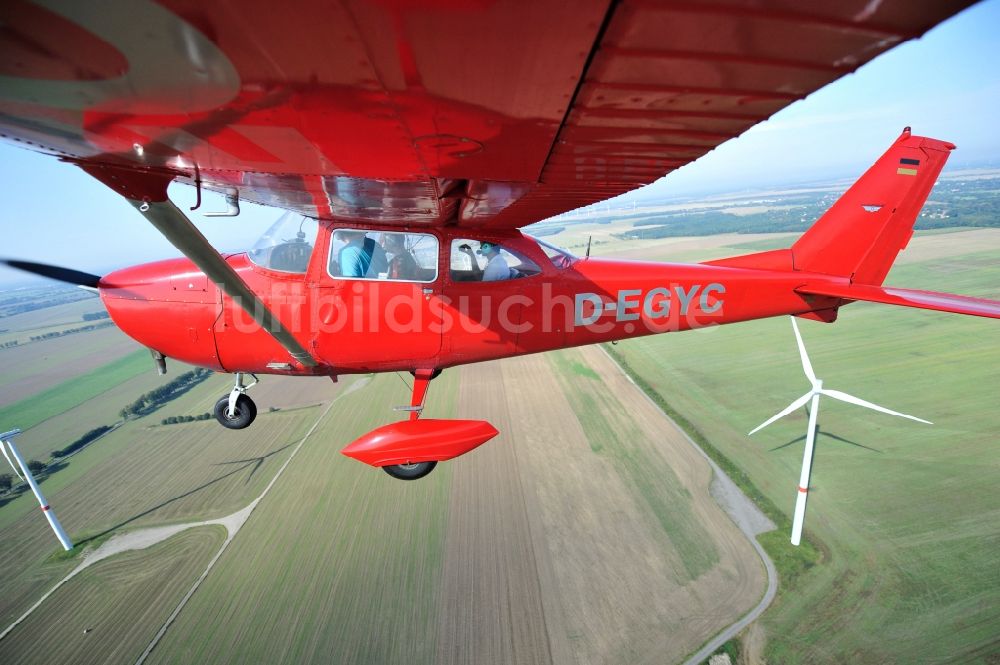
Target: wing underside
491, 114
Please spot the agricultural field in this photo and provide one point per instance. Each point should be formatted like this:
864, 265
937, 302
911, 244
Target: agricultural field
906, 515
553, 543
32, 368
23, 326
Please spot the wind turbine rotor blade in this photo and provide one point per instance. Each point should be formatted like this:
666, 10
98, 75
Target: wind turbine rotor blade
797, 404
806, 365
3, 449
851, 399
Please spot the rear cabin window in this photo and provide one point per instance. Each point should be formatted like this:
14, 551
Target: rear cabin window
383, 255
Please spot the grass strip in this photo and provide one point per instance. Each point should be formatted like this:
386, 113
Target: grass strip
71, 393
790, 561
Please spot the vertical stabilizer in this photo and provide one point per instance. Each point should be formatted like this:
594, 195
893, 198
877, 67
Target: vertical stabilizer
862, 233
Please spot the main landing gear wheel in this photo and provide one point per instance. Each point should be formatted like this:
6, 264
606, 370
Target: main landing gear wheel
244, 412
413, 471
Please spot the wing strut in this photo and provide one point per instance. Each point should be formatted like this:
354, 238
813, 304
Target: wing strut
147, 192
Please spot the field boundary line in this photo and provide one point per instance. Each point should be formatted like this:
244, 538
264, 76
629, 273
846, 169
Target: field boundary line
742, 524
245, 514
145, 538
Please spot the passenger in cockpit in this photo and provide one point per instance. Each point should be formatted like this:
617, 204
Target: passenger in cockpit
361, 256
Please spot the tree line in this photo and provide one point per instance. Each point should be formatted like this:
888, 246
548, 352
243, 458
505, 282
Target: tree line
173, 420
71, 331
154, 399
82, 441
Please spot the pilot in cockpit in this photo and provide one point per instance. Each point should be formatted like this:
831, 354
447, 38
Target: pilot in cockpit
496, 268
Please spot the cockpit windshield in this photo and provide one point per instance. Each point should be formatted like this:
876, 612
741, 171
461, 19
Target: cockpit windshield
560, 257
287, 245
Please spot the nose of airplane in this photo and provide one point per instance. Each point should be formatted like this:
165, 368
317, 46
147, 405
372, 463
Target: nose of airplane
169, 306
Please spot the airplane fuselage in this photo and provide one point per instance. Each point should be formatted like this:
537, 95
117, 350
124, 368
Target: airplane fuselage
355, 325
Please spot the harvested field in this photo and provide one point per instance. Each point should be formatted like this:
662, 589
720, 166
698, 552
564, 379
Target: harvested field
535, 548
340, 563
135, 477
107, 612
582, 552
38, 366
53, 317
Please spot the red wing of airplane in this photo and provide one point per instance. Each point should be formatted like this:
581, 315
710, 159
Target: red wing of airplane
484, 114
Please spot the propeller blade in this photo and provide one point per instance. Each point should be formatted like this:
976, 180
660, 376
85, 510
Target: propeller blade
806, 365
797, 404
851, 399
76, 277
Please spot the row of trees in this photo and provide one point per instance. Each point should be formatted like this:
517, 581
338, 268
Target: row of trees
71, 331
82, 441
173, 420
7, 479
96, 316
154, 399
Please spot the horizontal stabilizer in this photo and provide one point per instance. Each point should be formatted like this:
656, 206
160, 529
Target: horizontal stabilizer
941, 302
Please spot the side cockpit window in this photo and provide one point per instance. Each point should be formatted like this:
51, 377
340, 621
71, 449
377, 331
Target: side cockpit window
560, 257
385, 255
287, 246
488, 261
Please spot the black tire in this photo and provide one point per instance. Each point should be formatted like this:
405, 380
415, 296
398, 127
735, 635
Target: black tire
434, 375
245, 412
413, 471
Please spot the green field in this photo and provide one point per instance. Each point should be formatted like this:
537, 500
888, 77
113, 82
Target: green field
905, 514
616, 438
137, 477
37, 408
344, 561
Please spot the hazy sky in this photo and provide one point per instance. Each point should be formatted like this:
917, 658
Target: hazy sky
945, 85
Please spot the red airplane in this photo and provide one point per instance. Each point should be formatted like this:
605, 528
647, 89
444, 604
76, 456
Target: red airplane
410, 144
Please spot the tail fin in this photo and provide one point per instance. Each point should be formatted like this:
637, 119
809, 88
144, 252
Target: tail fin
861, 235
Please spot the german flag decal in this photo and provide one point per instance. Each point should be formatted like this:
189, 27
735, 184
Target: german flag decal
908, 166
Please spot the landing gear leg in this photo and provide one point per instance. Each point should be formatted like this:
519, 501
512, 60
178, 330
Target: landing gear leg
236, 410
421, 379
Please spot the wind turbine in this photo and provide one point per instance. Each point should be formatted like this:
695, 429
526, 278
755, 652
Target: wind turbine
6, 441
812, 398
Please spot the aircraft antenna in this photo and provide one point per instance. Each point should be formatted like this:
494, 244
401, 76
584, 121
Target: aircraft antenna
7, 442
812, 398
589, 239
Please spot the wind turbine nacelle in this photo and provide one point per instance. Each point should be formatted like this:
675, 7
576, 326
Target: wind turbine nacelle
423, 440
